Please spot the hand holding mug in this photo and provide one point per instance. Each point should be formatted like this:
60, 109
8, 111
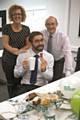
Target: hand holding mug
25, 64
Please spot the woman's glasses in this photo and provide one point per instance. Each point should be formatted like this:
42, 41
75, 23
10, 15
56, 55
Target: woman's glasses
17, 14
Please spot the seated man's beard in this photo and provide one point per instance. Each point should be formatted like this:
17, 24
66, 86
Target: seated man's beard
39, 48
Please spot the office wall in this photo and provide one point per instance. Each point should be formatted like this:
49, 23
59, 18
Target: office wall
59, 9
26, 3
74, 22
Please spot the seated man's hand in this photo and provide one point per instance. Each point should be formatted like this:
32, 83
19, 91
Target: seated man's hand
43, 67
43, 64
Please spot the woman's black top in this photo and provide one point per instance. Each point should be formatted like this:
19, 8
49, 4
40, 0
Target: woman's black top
16, 40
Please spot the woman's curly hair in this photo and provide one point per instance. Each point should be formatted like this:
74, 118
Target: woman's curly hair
14, 8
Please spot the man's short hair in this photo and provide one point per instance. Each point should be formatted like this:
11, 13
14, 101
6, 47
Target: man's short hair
33, 34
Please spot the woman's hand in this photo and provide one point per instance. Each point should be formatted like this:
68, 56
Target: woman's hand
21, 51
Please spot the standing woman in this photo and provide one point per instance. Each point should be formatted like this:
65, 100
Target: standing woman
15, 38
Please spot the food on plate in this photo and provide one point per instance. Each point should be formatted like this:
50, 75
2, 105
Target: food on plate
42, 98
36, 100
45, 102
31, 96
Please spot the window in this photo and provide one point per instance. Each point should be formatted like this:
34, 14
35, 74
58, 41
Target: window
2, 18
2, 22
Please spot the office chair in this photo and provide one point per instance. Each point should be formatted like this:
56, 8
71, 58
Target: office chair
77, 59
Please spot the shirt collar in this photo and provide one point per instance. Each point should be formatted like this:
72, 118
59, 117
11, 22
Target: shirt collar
53, 34
33, 53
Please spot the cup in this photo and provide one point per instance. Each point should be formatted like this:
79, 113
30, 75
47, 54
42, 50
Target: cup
32, 63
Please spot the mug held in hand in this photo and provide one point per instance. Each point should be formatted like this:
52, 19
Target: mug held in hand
32, 63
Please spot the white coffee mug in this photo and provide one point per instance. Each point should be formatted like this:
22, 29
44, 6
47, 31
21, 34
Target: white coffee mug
32, 63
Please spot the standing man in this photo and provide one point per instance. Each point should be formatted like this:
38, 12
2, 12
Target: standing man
44, 65
58, 44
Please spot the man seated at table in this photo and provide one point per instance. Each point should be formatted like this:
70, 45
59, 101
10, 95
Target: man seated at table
44, 62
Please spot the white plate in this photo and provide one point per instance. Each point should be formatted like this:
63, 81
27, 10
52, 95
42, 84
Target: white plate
7, 110
65, 106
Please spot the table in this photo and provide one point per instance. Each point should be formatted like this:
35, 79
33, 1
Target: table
5, 106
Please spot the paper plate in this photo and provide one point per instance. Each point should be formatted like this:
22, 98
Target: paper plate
7, 110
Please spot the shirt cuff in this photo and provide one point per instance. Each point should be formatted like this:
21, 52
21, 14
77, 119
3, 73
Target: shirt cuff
68, 73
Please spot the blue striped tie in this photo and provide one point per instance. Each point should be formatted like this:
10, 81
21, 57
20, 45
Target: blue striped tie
33, 77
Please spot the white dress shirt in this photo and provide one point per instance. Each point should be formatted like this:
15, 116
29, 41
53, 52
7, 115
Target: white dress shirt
42, 77
60, 48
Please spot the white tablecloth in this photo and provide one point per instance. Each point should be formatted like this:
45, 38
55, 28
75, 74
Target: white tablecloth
5, 107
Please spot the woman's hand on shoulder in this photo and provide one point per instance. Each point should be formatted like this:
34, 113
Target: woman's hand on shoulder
24, 49
21, 51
